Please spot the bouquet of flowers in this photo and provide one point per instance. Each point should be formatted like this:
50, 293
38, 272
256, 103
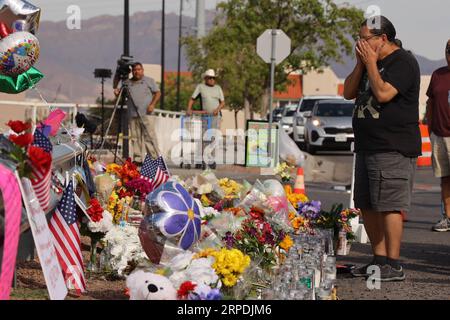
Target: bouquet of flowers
338, 219
283, 170
139, 187
259, 239
96, 227
123, 249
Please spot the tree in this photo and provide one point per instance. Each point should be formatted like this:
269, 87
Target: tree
187, 87
320, 31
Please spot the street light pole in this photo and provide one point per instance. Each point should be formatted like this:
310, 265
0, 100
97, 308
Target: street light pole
163, 40
179, 54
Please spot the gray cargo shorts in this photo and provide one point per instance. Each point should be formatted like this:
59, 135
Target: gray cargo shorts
384, 181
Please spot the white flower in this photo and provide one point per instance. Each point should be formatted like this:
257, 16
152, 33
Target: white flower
205, 188
124, 246
210, 211
201, 271
103, 225
181, 261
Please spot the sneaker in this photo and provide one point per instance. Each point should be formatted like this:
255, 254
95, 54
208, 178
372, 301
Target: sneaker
442, 225
361, 271
388, 273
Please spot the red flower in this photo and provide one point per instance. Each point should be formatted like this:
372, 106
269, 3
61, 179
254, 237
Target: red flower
185, 288
95, 210
123, 193
18, 126
22, 140
39, 158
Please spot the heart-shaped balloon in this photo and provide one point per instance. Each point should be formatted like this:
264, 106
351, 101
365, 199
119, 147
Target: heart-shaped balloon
18, 53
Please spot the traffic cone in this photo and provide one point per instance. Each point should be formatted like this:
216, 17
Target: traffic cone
299, 186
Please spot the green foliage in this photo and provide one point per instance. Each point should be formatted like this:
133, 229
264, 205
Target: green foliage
320, 32
187, 87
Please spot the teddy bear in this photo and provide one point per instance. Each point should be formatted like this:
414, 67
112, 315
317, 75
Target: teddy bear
144, 285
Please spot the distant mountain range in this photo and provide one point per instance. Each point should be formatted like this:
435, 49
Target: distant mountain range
68, 57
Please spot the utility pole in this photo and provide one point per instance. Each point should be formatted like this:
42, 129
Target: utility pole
123, 115
200, 18
163, 40
180, 30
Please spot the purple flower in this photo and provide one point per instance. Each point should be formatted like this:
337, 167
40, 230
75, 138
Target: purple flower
310, 210
184, 214
229, 240
214, 294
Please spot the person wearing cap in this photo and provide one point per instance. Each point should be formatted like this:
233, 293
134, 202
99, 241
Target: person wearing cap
210, 95
211, 100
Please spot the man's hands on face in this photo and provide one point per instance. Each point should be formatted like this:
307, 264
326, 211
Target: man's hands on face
366, 54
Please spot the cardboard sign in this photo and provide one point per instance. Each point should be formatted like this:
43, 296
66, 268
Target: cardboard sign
53, 275
257, 142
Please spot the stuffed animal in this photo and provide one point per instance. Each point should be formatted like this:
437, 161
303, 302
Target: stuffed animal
150, 286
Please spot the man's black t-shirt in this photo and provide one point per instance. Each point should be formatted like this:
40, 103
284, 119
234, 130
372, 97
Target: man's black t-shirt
392, 126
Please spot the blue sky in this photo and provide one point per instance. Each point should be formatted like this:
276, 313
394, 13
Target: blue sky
423, 26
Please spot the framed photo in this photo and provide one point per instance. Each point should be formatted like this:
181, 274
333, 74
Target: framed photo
257, 143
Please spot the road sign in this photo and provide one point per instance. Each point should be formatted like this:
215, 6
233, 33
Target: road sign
273, 46
282, 45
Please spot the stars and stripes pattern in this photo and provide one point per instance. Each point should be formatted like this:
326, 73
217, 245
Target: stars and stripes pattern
155, 171
41, 183
66, 239
42, 177
40, 140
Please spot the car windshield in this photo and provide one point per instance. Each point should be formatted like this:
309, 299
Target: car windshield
289, 111
308, 104
334, 110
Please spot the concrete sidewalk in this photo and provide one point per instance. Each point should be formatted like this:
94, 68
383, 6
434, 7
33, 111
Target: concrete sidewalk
425, 255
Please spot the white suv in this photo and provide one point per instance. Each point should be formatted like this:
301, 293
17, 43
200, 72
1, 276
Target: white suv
306, 104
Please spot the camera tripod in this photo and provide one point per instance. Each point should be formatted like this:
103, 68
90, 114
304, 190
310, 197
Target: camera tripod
122, 98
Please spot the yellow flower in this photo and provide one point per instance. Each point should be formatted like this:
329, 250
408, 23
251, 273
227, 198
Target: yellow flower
286, 243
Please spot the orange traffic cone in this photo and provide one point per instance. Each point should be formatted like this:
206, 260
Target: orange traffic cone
300, 182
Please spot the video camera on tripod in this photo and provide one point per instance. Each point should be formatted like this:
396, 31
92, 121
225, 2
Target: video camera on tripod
123, 69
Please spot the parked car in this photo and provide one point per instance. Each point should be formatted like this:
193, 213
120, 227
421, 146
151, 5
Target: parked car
306, 104
277, 114
329, 126
287, 119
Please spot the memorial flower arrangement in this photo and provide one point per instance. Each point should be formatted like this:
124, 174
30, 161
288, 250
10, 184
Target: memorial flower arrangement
123, 248
338, 219
96, 227
283, 170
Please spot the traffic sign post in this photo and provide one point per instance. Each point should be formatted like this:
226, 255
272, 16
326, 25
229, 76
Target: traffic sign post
273, 46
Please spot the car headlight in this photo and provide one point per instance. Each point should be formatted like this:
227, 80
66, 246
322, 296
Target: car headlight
316, 122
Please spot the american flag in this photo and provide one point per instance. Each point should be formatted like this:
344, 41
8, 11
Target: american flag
66, 239
155, 171
40, 140
41, 181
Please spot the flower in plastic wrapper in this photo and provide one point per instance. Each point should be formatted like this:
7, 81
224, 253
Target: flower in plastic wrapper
122, 243
181, 261
104, 225
171, 215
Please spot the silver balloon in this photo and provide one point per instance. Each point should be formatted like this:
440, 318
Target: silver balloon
13, 10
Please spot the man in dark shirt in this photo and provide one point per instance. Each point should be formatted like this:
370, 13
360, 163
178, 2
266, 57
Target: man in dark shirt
385, 83
438, 119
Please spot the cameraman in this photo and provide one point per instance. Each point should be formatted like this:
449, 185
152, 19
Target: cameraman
145, 94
